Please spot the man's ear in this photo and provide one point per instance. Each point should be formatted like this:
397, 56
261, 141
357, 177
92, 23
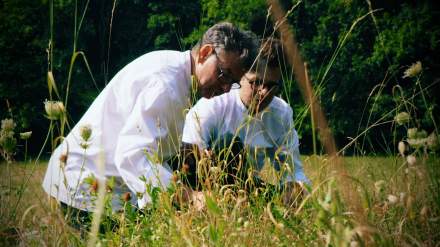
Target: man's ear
204, 52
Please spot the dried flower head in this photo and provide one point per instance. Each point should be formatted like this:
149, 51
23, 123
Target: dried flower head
63, 158
94, 186
126, 197
54, 109
185, 168
25, 135
411, 159
402, 118
413, 70
85, 131
8, 124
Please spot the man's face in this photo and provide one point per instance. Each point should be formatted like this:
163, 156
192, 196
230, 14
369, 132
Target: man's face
217, 70
258, 89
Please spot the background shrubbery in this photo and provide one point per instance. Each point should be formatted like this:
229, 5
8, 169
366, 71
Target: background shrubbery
376, 52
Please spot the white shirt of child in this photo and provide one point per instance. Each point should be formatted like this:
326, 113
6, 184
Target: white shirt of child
267, 134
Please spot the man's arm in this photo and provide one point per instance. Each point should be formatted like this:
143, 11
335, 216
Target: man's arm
136, 155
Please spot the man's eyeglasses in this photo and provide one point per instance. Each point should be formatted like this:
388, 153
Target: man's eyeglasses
224, 77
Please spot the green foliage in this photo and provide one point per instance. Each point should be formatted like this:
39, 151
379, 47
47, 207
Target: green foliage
113, 33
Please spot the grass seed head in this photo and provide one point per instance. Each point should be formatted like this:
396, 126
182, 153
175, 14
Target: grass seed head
413, 70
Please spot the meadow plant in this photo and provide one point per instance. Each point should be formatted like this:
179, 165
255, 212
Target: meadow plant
8, 141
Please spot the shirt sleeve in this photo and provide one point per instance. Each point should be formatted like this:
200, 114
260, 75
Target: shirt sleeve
291, 147
200, 123
137, 156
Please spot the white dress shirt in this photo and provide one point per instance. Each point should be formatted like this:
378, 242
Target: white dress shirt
136, 122
266, 135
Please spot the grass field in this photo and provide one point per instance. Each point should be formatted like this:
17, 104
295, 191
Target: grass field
400, 205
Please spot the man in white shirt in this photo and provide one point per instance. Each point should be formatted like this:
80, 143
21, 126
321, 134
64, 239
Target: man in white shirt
135, 123
253, 116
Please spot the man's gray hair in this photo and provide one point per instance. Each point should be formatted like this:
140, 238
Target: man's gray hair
226, 36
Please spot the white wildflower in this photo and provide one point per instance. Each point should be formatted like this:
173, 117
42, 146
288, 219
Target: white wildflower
413, 70
8, 124
25, 135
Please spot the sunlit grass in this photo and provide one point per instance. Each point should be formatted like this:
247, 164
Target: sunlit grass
234, 218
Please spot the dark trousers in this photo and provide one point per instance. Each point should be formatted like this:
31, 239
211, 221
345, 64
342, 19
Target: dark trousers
82, 220
228, 150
